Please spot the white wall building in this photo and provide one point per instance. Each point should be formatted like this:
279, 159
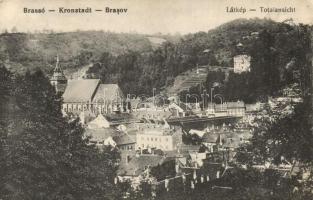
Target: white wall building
242, 63
160, 138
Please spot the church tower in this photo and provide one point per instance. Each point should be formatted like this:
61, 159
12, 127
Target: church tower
58, 79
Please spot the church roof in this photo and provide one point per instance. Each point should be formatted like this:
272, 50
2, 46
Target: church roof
78, 91
109, 92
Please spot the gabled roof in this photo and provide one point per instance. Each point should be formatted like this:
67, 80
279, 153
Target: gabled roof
79, 91
210, 137
197, 132
99, 122
110, 92
181, 107
138, 164
124, 139
100, 135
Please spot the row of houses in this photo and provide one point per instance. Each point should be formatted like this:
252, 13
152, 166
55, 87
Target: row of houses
146, 145
145, 138
134, 136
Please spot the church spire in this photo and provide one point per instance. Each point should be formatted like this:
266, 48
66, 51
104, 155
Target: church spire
57, 68
58, 78
57, 60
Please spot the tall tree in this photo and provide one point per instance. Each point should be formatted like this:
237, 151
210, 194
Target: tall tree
48, 157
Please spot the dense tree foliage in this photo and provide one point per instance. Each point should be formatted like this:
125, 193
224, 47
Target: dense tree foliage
276, 137
42, 155
239, 184
283, 139
279, 58
167, 169
132, 60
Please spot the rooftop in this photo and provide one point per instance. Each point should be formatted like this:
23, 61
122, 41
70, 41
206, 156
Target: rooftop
109, 92
79, 91
135, 165
125, 139
100, 135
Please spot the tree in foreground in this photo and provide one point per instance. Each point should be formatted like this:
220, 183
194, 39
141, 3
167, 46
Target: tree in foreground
43, 155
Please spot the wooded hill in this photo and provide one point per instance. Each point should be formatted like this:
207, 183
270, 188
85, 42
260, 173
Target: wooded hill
138, 65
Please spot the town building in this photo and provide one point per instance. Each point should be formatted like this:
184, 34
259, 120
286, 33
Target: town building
126, 142
242, 63
211, 140
136, 168
179, 109
159, 138
102, 137
236, 109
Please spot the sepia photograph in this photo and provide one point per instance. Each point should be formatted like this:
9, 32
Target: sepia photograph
156, 100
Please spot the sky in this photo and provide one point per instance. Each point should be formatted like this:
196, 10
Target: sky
143, 16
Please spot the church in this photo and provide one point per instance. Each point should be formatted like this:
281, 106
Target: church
81, 95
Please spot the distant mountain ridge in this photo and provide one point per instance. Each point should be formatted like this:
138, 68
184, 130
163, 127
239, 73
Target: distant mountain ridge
21, 51
139, 62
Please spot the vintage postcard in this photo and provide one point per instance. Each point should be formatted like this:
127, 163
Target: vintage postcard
156, 99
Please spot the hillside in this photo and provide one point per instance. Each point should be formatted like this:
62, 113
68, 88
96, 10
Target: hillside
139, 63
279, 54
21, 51
188, 79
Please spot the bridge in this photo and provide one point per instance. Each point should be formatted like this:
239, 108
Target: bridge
123, 121
184, 120
193, 119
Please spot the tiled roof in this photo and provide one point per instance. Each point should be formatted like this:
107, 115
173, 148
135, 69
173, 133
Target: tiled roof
99, 122
238, 104
110, 92
210, 137
138, 164
124, 139
78, 91
232, 142
185, 149
100, 135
